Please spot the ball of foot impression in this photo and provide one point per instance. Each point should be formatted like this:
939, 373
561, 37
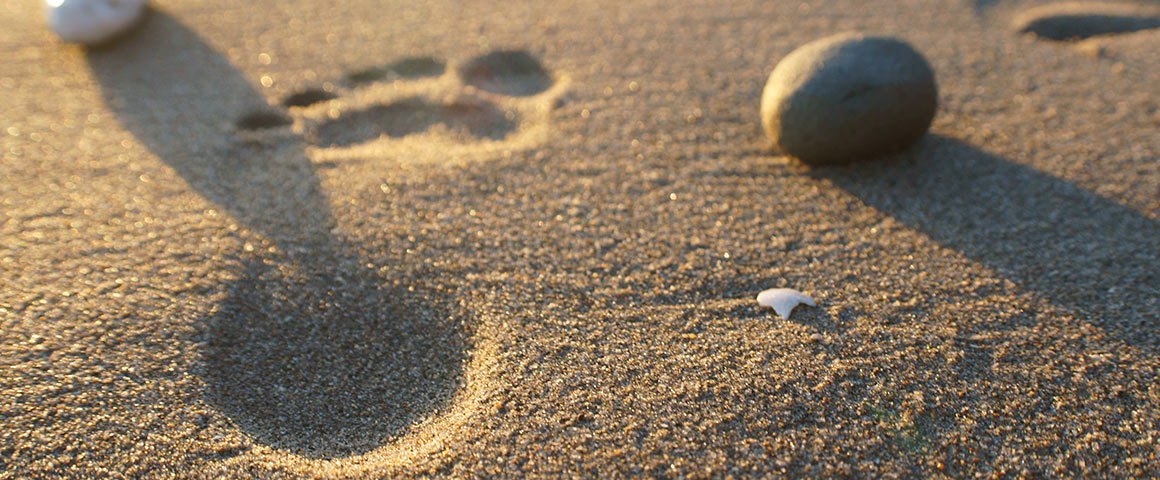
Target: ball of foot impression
92, 22
848, 97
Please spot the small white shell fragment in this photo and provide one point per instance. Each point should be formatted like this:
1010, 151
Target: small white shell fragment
91, 22
783, 300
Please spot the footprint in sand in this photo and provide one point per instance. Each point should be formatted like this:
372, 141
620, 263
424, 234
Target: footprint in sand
312, 349
1075, 21
416, 109
294, 325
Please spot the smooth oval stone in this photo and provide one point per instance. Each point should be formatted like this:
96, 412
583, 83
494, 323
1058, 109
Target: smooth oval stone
848, 97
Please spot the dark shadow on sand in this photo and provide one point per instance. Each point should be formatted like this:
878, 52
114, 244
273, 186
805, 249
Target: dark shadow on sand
180, 99
981, 6
312, 351
1089, 255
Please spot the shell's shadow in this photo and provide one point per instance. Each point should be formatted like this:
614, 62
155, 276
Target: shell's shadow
1087, 254
311, 351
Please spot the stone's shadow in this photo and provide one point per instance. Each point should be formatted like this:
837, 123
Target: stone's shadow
1086, 254
311, 352
325, 360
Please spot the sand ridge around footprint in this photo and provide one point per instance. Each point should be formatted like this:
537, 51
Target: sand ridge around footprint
419, 110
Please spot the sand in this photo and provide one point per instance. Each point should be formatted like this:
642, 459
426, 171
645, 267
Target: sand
553, 274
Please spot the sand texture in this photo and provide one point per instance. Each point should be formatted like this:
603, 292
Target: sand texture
363, 239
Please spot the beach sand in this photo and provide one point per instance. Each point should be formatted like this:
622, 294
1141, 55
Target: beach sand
455, 268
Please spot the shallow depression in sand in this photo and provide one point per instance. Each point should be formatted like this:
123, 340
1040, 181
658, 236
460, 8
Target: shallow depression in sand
1071, 21
467, 120
328, 360
507, 72
404, 68
308, 97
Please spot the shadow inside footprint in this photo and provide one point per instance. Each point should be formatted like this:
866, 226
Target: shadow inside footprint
410, 67
509, 72
982, 6
1078, 21
311, 352
329, 360
308, 97
263, 119
468, 120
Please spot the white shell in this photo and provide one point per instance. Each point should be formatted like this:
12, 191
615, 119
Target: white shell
91, 21
783, 300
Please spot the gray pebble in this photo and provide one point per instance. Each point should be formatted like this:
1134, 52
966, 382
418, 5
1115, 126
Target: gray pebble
848, 97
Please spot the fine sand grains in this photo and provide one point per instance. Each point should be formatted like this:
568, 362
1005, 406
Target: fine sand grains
568, 292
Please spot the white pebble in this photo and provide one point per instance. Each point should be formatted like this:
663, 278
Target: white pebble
91, 22
783, 300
